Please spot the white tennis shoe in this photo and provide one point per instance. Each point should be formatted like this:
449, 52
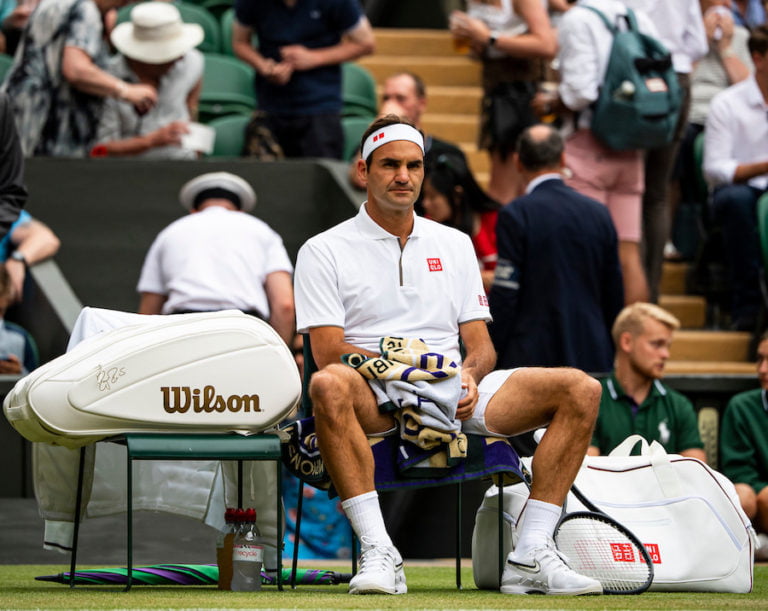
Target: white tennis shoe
380, 571
544, 571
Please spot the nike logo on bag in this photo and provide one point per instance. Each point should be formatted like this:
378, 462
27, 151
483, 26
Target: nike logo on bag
528, 568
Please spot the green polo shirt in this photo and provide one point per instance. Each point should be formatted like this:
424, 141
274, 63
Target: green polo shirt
665, 416
744, 439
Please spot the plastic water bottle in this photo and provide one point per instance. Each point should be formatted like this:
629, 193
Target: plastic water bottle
247, 554
626, 90
224, 550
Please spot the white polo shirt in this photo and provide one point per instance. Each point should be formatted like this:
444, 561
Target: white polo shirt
355, 276
736, 132
214, 259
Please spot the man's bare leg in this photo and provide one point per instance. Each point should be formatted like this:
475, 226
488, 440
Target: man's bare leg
345, 409
568, 401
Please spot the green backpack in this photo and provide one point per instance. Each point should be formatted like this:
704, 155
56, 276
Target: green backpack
640, 98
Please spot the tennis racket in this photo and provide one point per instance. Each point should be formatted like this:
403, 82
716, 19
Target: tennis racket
598, 546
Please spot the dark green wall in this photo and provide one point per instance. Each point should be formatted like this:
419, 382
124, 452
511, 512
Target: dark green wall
107, 212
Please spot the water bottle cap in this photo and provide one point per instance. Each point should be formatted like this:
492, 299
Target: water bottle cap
250, 515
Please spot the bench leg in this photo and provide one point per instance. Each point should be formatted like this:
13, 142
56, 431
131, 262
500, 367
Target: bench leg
76, 530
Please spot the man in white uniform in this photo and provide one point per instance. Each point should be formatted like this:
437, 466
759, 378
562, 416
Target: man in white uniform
389, 272
219, 257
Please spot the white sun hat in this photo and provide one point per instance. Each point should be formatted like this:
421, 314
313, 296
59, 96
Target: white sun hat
156, 34
213, 183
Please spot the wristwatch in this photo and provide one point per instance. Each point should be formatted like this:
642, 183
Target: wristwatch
492, 39
17, 255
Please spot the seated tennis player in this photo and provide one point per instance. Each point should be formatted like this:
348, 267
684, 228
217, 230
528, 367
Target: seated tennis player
387, 272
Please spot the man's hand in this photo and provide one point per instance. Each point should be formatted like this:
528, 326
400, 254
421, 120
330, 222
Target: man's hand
169, 135
299, 57
467, 404
10, 364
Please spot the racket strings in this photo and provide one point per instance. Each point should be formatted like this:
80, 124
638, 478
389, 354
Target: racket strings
598, 549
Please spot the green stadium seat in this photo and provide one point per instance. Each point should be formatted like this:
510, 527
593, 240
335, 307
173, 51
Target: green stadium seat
227, 87
358, 91
353, 128
230, 135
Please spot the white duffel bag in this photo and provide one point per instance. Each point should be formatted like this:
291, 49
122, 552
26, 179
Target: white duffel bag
207, 372
687, 515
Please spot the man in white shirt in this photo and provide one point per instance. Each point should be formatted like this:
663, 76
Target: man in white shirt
388, 272
219, 257
681, 29
736, 164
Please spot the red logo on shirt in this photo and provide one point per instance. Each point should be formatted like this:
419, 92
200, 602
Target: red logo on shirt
483, 300
435, 265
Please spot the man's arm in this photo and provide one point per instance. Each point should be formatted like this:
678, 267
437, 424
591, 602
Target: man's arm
354, 43
328, 345
152, 303
36, 242
479, 359
695, 453
13, 193
282, 313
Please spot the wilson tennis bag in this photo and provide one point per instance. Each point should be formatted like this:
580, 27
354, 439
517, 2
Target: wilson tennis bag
640, 99
687, 515
208, 372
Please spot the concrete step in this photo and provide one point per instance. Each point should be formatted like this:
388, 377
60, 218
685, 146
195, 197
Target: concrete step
478, 160
691, 310
414, 42
691, 345
673, 277
709, 367
454, 100
435, 71
459, 129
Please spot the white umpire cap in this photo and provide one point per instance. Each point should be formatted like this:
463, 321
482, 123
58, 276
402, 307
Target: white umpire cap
217, 184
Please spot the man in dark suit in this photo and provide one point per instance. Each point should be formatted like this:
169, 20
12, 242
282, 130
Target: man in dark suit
558, 284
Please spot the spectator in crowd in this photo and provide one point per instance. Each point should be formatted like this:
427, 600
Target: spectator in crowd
748, 13
451, 195
219, 257
404, 94
736, 164
426, 284
13, 192
744, 449
614, 178
301, 47
558, 283
18, 350
513, 40
156, 49
634, 399
727, 62
14, 15
28, 242
58, 81
681, 30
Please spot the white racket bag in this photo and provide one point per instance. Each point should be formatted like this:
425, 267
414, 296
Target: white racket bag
686, 514
207, 372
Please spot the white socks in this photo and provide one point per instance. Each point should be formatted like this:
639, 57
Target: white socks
536, 525
364, 513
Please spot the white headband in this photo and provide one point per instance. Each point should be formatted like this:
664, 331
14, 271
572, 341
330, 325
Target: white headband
390, 133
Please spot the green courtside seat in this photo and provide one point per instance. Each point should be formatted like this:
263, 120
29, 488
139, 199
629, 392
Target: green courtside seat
505, 467
227, 87
358, 91
230, 135
353, 128
173, 446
